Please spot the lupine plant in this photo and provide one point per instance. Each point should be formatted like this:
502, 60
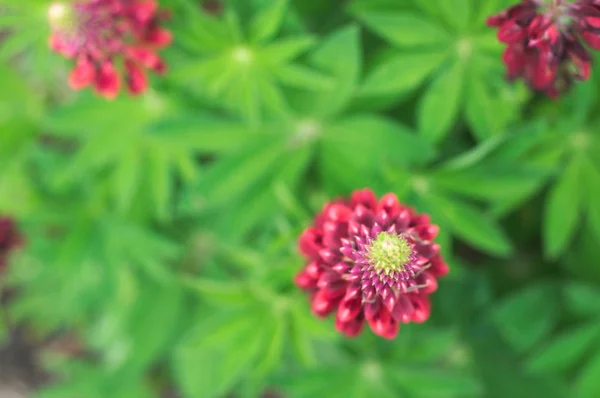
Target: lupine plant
301, 198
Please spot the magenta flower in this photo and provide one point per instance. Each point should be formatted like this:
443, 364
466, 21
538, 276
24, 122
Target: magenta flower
370, 260
543, 41
9, 239
107, 39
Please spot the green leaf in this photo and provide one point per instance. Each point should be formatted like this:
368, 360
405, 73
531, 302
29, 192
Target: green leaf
218, 292
435, 383
439, 107
285, 50
303, 77
456, 12
592, 179
469, 224
266, 24
402, 73
528, 316
501, 183
386, 138
582, 299
562, 210
405, 29
233, 176
157, 306
587, 384
339, 55
565, 350
218, 353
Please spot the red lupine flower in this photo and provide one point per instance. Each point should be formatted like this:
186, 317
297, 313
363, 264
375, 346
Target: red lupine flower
9, 240
109, 39
543, 42
370, 260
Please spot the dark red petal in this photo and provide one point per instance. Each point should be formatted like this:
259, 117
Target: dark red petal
383, 324
427, 250
330, 256
511, 32
365, 197
338, 212
351, 328
304, 281
422, 308
350, 308
427, 232
144, 11
403, 311
438, 266
83, 74
322, 303
314, 270
429, 281
592, 39
514, 58
145, 57
159, 37
107, 81
310, 243
329, 279
333, 232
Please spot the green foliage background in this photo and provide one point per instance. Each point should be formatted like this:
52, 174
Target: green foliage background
161, 230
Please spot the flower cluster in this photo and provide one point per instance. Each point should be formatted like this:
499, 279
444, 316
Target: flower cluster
371, 260
106, 37
9, 239
544, 41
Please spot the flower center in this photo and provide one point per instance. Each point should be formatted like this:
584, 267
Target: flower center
389, 252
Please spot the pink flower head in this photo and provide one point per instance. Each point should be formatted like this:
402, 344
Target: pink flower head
370, 260
543, 44
109, 39
9, 239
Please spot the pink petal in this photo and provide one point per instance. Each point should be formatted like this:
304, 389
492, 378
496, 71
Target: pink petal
83, 74
144, 11
107, 82
159, 37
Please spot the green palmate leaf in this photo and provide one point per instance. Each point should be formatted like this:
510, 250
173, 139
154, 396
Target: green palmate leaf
302, 77
566, 350
217, 292
341, 380
439, 107
266, 24
157, 305
339, 56
563, 209
405, 29
402, 72
227, 181
506, 185
592, 179
469, 224
480, 110
285, 50
456, 12
587, 384
386, 138
435, 383
527, 316
582, 299
204, 368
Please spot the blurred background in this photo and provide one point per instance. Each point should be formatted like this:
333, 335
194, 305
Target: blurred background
148, 243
